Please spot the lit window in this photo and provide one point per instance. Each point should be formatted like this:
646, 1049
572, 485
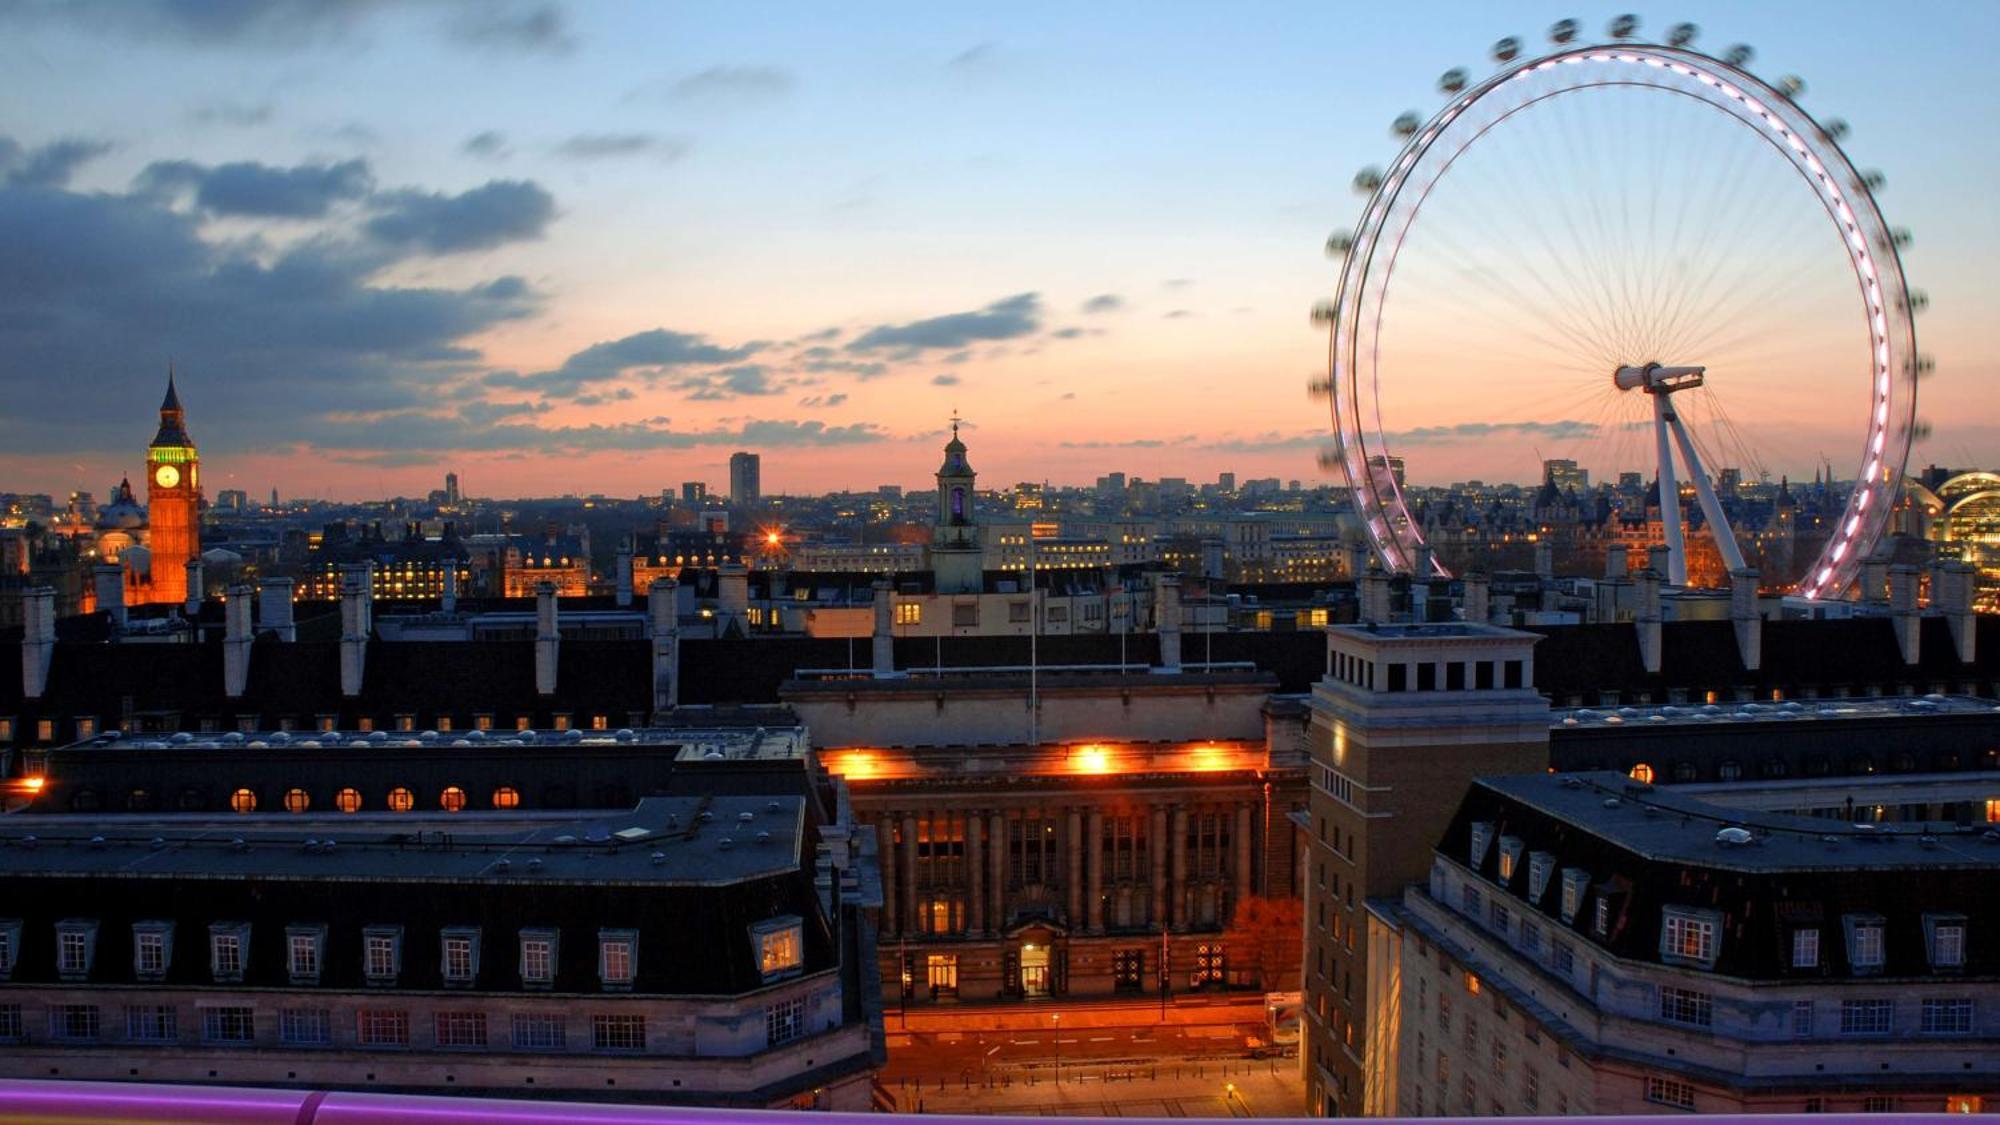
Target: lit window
540, 1031
304, 947
785, 1020
1642, 773
912, 613
76, 948
297, 800
1510, 856
538, 957
382, 953
152, 949
618, 1033
460, 954
617, 957
780, 944
243, 801
1688, 936
401, 800
1805, 949
452, 799
461, 1029
506, 797
347, 800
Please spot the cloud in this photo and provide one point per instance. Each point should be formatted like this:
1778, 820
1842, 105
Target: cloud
483, 413
731, 382
1104, 303
823, 400
599, 146
423, 430
1006, 319
1176, 314
1069, 333
1134, 443
826, 361
977, 55
49, 166
1177, 283
733, 84
500, 212
489, 145
944, 380
653, 350
532, 28
287, 23
247, 188
1466, 431
242, 115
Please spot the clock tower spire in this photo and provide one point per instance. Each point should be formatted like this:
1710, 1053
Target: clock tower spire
173, 502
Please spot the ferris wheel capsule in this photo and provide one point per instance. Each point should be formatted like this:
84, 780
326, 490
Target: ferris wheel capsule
1874, 180
1562, 31
1835, 128
1739, 56
1324, 312
1405, 125
1792, 86
1923, 365
1682, 34
1339, 243
1506, 50
1919, 300
1900, 237
1919, 430
1452, 81
1329, 458
1367, 180
1320, 388
1623, 27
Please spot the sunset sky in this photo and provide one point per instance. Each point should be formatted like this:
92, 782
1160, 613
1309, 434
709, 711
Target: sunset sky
597, 247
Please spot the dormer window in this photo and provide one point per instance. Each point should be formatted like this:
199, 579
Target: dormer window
382, 954
76, 947
1510, 856
1575, 881
10, 946
1944, 939
228, 951
1601, 919
305, 951
1482, 835
617, 958
152, 949
1805, 949
538, 958
1690, 936
1866, 942
1540, 865
459, 955
780, 946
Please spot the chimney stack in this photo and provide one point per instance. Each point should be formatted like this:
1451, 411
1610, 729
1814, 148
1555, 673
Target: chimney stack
1875, 577
1374, 591
625, 575
274, 608
1659, 560
1648, 620
236, 641
663, 603
1617, 562
1903, 610
357, 622
110, 586
449, 602
883, 644
1425, 565
1478, 598
1545, 558
548, 638
1167, 621
191, 609
732, 595
1955, 601
1743, 613
38, 640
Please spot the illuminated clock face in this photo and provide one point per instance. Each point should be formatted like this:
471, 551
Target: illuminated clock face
167, 476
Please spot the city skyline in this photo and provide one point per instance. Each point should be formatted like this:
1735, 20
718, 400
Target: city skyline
738, 242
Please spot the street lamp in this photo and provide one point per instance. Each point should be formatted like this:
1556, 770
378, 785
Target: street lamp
1057, 1017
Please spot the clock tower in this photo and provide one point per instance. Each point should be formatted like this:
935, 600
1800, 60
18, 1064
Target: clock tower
173, 502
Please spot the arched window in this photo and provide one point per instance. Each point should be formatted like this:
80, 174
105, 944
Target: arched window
84, 800
506, 797
1642, 772
452, 799
243, 801
139, 800
297, 800
1730, 770
401, 800
347, 800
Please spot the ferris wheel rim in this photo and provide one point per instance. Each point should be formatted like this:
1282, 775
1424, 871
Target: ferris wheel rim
1808, 147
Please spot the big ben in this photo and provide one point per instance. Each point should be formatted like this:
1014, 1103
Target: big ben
173, 502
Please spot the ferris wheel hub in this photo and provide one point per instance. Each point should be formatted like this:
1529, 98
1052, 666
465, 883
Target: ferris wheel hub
1656, 379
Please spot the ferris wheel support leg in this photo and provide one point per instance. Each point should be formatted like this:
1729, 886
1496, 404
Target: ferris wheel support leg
1711, 508
1670, 496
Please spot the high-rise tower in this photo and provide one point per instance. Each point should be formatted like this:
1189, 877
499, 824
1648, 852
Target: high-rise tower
173, 502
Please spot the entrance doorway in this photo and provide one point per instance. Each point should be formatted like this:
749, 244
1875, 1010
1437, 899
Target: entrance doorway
1034, 970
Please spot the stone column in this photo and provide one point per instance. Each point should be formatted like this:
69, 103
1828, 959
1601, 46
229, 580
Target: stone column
975, 918
1243, 851
1179, 892
1093, 858
1157, 844
997, 845
1074, 846
885, 832
911, 921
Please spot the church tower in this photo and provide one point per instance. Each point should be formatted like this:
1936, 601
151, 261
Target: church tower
957, 556
173, 502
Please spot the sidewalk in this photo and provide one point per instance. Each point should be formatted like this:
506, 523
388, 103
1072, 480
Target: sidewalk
1235, 1088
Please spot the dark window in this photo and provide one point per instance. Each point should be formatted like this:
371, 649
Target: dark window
1399, 675
1514, 671
1454, 676
1483, 675
1427, 677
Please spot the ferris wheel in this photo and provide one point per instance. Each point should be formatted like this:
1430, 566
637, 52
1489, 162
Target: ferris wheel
1611, 254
